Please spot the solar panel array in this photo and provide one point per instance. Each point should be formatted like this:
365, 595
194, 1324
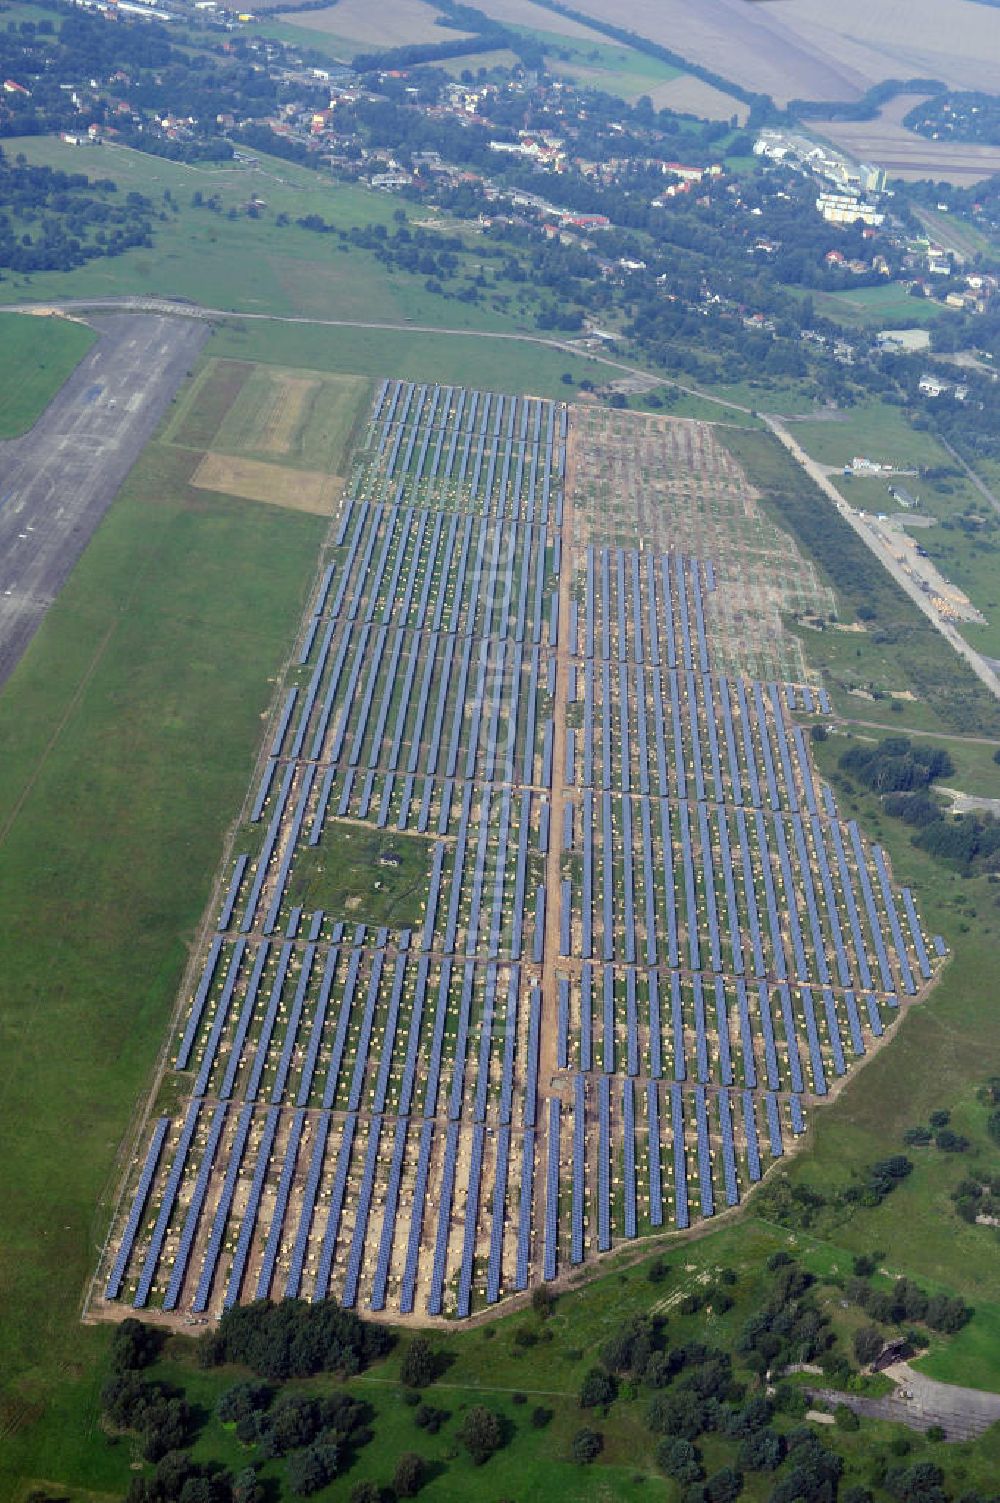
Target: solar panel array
646, 942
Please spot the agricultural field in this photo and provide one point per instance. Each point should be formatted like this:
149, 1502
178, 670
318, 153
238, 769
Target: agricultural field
610, 941
803, 52
906, 155
36, 357
354, 26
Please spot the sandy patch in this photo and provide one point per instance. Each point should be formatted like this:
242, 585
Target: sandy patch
253, 480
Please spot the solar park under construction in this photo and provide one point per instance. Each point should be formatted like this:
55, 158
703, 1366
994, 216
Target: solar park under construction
536, 657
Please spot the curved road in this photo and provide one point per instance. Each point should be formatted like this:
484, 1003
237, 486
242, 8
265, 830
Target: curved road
196, 310
815, 471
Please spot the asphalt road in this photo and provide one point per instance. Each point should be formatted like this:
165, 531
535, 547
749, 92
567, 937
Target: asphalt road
920, 1402
57, 481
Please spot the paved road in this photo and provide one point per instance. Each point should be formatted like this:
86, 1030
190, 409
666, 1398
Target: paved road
817, 473
57, 481
921, 1402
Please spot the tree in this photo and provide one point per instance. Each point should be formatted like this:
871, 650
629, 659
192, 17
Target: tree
428, 1417
134, 1345
408, 1478
366, 1492
246, 1488
312, 1468
587, 1446
868, 1344
480, 1433
724, 1486
845, 1418
597, 1389
242, 1400
679, 1459
542, 1302
540, 1417
421, 1363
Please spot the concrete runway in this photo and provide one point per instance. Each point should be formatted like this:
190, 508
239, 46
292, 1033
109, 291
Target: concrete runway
58, 480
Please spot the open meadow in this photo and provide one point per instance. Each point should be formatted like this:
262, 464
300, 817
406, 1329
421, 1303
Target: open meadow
36, 357
127, 735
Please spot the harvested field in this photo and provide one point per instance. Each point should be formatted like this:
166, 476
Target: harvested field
395, 23
537, 18
906, 155
304, 418
692, 96
808, 51
278, 485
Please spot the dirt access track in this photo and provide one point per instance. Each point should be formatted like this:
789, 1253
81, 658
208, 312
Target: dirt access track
59, 478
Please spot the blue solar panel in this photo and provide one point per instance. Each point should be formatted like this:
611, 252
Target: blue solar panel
728, 1149
177, 1167
149, 1167
266, 1271
628, 1131
812, 1036
706, 1192
750, 1130
681, 1212
416, 1219
325, 1261
773, 1124
524, 1209
531, 1067
355, 1254
293, 1281
198, 1005
653, 1154
494, 1267
604, 1164
249, 1222
550, 1254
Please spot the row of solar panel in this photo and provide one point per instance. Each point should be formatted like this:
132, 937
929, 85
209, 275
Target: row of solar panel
292, 1254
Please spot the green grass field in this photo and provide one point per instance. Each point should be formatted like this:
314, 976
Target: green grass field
250, 265
410, 355
881, 307
127, 736
36, 357
877, 430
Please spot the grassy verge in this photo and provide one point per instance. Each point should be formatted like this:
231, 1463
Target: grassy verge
410, 355
126, 741
36, 357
